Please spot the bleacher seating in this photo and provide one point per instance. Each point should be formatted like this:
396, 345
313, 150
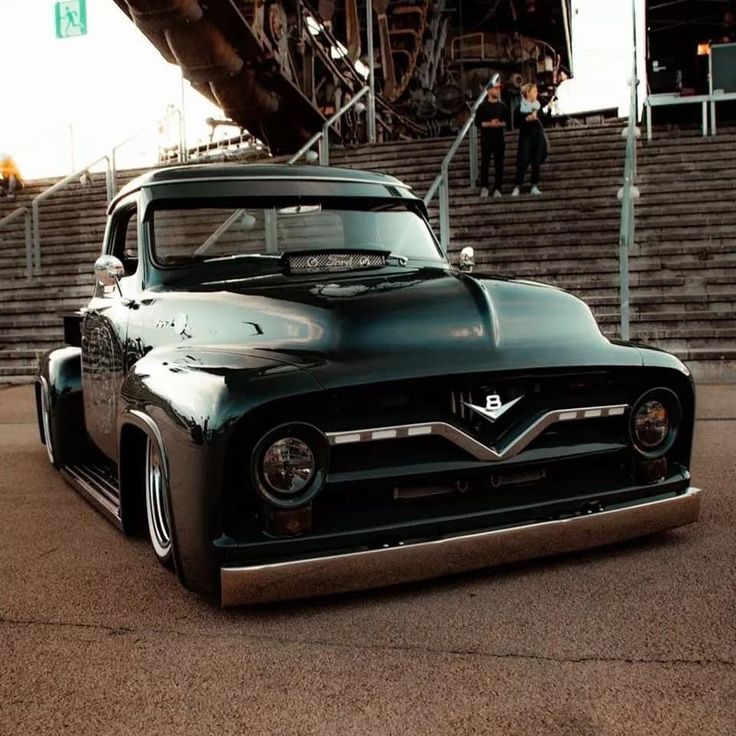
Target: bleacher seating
683, 268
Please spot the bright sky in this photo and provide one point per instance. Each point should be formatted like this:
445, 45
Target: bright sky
106, 85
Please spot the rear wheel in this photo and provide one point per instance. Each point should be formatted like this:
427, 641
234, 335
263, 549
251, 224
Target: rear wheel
157, 504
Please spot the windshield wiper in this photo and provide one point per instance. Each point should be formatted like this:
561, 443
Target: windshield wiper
255, 257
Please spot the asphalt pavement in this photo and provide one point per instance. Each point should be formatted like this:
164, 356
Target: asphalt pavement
97, 638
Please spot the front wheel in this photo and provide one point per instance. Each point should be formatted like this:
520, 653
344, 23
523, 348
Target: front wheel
47, 424
157, 504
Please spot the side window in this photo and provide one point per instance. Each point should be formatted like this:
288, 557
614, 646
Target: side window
125, 239
131, 238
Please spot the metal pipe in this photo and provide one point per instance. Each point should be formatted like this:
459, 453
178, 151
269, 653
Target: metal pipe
473, 143
111, 178
628, 195
444, 215
623, 272
36, 235
28, 234
182, 124
324, 146
371, 73
568, 36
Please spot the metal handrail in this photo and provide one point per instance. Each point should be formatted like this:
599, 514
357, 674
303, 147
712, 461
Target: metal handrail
14, 215
324, 159
628, 194
442, 182
322, 136
110, 187
76, 176
112, 155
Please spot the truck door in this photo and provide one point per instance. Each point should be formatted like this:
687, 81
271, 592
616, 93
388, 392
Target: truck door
105, 331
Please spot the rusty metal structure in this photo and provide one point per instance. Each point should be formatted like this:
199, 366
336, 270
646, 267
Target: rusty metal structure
280, 67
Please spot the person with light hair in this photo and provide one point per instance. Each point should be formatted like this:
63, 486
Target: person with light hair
10, 179
532, 140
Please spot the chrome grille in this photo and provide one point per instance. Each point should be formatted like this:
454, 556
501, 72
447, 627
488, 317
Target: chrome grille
460, 397
334, 262
540, 392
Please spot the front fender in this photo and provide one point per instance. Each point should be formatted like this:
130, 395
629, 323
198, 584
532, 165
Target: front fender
61, 372
194, 397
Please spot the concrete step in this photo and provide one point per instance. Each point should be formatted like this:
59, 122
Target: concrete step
703, 319
37, 306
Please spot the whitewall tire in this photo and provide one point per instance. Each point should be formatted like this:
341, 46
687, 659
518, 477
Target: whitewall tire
157, 504
46, 425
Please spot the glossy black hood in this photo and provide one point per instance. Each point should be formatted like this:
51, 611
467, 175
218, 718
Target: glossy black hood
394, 325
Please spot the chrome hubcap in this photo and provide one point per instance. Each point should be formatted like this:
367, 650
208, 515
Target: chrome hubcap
156, 506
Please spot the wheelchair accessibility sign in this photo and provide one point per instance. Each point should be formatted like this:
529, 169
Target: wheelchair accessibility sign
71, 18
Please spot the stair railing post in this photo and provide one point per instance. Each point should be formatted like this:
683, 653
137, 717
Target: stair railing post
628, 194
324, 146
29, 242
623, 273
371, 72
473, 142
36, 235
445, 211
111, 176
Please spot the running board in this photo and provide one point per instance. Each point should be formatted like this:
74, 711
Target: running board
98, 486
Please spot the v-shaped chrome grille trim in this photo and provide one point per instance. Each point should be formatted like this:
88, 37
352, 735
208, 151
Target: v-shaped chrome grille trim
463, 440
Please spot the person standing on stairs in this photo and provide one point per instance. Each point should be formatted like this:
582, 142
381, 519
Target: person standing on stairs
532, 139
492, 118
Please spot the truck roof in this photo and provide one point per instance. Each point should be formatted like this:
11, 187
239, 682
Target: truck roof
234, 173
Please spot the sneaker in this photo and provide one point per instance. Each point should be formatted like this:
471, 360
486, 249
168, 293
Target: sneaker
516, 192
536, 191
497, 193
484, 193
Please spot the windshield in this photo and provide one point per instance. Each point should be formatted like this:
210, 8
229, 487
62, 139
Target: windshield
183, 233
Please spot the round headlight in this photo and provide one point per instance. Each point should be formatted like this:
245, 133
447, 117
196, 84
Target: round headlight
288, 466
655, 421
651, 424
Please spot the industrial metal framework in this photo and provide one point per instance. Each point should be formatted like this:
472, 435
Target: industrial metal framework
280, 68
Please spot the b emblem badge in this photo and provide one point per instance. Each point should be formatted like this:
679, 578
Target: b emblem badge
493, 402
494, 408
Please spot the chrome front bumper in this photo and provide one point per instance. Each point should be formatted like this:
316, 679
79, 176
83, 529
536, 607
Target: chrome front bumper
422, 560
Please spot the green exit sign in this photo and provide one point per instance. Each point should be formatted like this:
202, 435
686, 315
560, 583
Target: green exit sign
71, 18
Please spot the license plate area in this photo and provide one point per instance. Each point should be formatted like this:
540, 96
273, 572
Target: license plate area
478, 484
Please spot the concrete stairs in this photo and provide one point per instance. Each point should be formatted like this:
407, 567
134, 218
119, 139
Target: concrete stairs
683, 267
72, 229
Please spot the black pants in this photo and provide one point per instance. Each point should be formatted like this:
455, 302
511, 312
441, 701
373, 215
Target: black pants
492, 147
531, 151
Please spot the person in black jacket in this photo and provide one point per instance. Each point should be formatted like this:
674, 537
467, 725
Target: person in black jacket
492, 118
532, 140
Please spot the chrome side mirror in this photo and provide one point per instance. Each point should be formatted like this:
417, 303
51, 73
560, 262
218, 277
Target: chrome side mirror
467, 259
108, 271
